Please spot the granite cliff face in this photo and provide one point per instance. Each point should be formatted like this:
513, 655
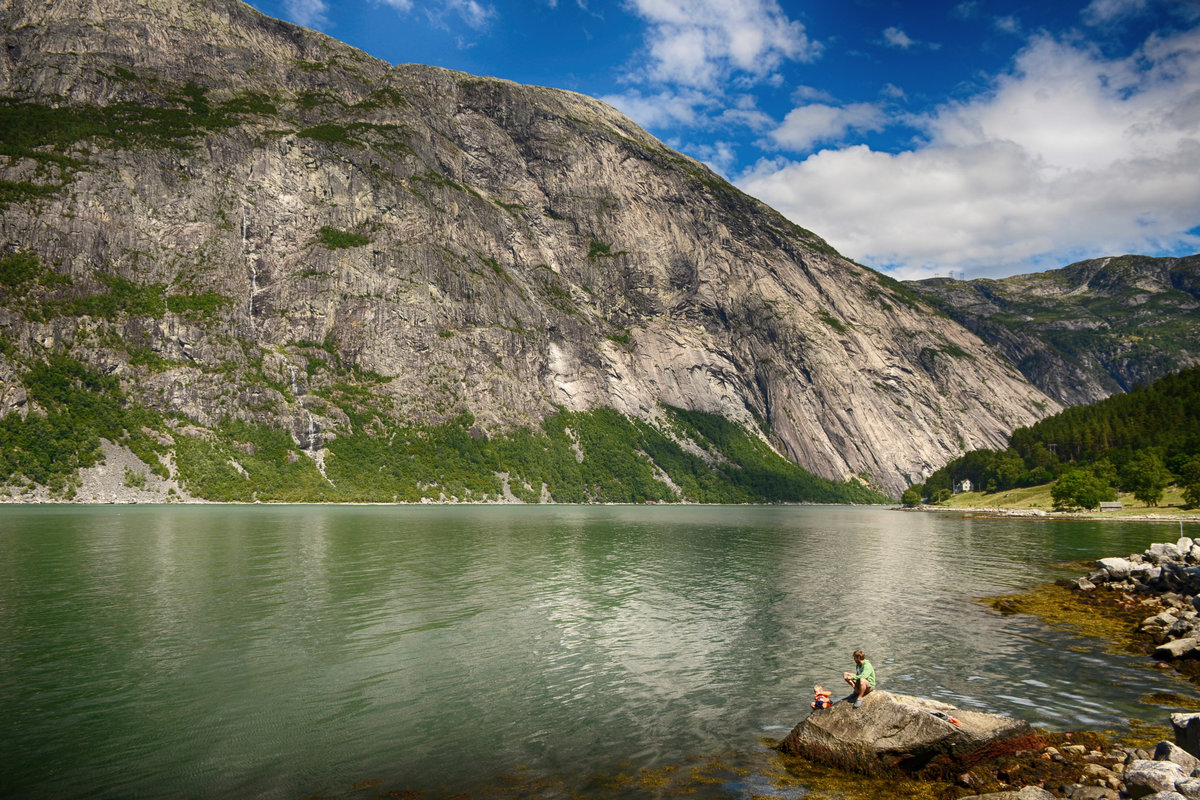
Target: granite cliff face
1089, 330
238, 218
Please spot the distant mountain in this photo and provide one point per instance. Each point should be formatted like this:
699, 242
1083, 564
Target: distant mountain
277, 268
1086, 331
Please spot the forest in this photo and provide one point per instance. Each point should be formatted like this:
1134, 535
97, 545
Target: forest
1139, 442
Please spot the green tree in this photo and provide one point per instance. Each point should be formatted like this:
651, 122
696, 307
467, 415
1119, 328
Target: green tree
1080, 488
1189, 477
1008, 470
1146, 476
911, 497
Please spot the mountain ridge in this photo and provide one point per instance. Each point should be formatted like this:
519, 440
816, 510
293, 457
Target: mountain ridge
243, 220
1087, 330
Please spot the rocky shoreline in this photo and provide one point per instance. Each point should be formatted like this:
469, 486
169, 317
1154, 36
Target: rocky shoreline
1164, 579
1155, 595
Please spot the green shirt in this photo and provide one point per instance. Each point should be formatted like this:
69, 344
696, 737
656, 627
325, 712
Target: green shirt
866, 672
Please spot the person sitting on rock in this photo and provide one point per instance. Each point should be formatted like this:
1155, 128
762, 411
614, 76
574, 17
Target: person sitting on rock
863, 679
821, 697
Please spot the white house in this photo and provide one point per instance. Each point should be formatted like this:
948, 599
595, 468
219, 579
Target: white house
962, 486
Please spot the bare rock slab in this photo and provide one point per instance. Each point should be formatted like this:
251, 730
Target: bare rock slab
895, 730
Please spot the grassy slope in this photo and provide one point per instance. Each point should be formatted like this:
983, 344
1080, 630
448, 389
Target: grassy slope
1038, 497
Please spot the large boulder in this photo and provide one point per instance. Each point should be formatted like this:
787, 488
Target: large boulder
1144, 778
895, 730
1187, 731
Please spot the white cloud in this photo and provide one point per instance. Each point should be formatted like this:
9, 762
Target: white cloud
1099, 12
966, 9
719, 156
308, 13
476, 15
701, 43
895, 37
690, 108
661, 109
1007, 24
807, 94
472, 12
1068, 153
808, 125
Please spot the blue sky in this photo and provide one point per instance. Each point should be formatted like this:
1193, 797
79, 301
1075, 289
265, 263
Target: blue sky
981, 137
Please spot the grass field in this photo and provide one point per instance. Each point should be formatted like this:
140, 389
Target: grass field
1038, 497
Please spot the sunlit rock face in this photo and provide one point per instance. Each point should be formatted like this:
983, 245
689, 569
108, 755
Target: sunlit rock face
478, 244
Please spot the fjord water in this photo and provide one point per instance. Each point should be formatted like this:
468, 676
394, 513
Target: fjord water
277, 651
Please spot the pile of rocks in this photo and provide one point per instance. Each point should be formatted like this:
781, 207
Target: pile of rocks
1169, 773
1171, 574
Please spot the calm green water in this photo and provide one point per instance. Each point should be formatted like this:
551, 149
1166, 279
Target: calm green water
280, 651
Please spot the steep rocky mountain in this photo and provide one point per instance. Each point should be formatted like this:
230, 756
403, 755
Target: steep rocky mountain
1089, 330
248, 242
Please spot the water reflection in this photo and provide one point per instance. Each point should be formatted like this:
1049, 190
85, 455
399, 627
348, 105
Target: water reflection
278, 651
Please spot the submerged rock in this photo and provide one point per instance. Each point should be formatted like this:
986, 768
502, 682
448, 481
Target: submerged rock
894, 730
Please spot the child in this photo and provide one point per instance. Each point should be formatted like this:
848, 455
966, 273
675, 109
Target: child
821, 698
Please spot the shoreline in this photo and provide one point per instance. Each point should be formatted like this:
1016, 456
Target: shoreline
997, 512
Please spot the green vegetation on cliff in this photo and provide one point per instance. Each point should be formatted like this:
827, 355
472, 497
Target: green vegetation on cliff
574, 457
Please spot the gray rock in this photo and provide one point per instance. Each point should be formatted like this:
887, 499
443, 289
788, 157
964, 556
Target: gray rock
1026, 793
1168, 795
1159, 624
1144, 778
1163, 551
1165, 751
1117, 568
895, 730
1187, 731
1093, 793
1177, 648
1189, 788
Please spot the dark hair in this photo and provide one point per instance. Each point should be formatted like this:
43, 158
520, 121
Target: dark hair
859, 654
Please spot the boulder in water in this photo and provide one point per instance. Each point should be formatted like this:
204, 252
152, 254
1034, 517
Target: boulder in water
894, 730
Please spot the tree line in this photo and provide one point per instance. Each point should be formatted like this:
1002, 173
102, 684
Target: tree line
1140, 442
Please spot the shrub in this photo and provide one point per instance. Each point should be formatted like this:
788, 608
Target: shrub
335, 239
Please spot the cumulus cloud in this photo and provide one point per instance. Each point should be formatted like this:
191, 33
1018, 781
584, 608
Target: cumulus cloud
894, 37
1069, 152
308, 13
808, 125
701, 43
